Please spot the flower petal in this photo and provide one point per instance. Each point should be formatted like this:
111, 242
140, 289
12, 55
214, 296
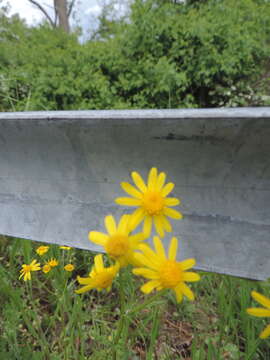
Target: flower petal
126, 201
137, 238
159, 248
131, 190
147, 273
265, 333
173, 249
172, 213
136, 218
191, 276
186, 291
171, 201
149, 286
259, 312
98, 263
167, 189
144, 261
138, 181
123, 224
179, 295
159, 225
84, 289
263, 300
147, 226
98, 238
84, 281
152, 178
187, 264
166, 224
110, 224
150, 254
160, 180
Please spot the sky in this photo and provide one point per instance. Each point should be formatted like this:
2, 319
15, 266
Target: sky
86, 11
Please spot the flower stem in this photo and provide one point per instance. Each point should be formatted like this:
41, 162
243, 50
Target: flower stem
147, 302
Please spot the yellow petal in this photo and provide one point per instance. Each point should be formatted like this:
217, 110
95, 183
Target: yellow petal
152, 178
171, 201
187, 264
138, 181
172, 213
159, 248
265, 333
161, 180
136, 218
110, 224
259, 312
147, 226
150, 254
191, 276
84, 289
126, 201
137, 238
99, 263
159, 225
263, 300
123, 224
173, 249
167, 189
186, 291
166, 224
149, 286
131, 190
98, 238
147, 273
179, 295
144, 261
84, 281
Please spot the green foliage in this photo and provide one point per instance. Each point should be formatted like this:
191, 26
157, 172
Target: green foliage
166, 55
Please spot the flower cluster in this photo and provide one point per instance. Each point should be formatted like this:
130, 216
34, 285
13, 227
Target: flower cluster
124, 247
49, 264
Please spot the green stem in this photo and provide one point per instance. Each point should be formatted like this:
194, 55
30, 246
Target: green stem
147, 302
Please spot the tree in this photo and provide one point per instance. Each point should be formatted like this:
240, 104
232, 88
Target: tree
62, 12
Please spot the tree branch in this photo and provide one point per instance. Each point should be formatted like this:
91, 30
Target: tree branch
41, 8
70, 7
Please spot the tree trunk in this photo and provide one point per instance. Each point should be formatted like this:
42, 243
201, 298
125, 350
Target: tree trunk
62, 12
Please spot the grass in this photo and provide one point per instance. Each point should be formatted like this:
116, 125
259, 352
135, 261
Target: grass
45, 319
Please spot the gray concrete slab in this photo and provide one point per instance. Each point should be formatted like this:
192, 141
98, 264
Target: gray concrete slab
60, 173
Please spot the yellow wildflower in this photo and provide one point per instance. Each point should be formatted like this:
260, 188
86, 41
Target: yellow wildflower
26, 270
165, 272
53, 262
41, 250
99, 277
152, 202
46, 268
65, 247
118, 243
69, 267
261, 312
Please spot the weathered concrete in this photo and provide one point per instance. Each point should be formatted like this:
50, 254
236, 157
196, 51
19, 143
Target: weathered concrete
60, 173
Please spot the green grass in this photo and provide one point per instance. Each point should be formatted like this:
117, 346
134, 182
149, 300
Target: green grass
45, 319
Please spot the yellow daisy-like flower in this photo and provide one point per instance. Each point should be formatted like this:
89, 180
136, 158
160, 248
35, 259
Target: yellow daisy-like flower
165, 272
65, 247
152, 202
69, 267
99, 277
118, 243
26, 270
41, 250
261, 312
53, 262
46, 268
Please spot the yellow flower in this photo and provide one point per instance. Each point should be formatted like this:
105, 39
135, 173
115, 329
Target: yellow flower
26, 270
152, 202
46, 268
69, 267
65, 247
165, 272
41, 250
118, 243
99, 277
53, 262
261, 312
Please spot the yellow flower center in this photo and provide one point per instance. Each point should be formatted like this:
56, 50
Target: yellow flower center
117, 245
153, 202
27, 268
170, 274
103, 280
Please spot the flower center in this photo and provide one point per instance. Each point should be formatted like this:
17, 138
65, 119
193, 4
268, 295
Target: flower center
117, 245
153, 202
27, 268
103, 280
170, 274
